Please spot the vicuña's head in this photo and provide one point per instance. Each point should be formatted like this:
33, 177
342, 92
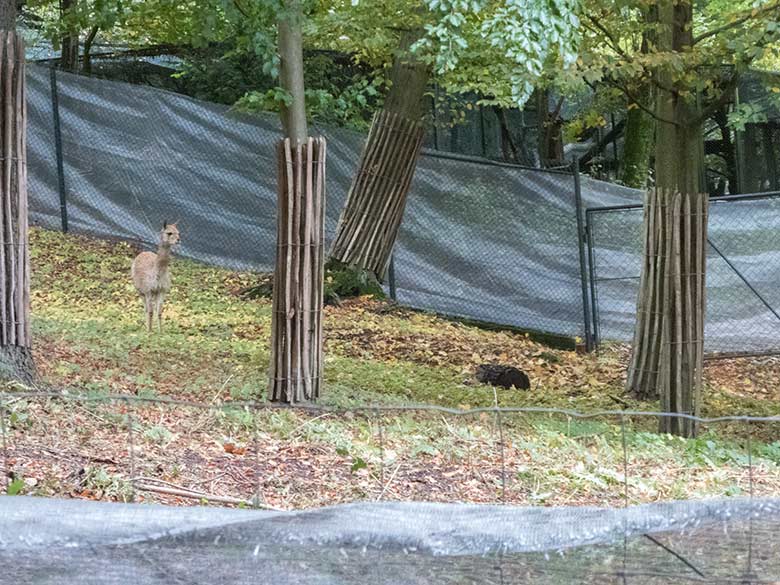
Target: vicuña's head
169, 234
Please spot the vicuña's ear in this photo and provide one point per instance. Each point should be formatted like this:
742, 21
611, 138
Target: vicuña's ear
165, 224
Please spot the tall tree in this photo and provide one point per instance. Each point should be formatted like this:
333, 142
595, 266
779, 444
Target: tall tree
16, 361
667, 358
549, 129
639, 138
295, 372
466, 43
69, 40
370, 220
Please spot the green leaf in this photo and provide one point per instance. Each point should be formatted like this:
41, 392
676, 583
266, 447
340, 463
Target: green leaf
358, 463
15, 487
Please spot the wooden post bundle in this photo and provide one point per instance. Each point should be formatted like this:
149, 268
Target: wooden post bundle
15, 353
669, 338
295, 372
375, 204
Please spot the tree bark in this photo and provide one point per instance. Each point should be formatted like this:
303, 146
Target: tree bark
638, 145
640, 126
550, 128
508, 147
291, 74
87, 66
295, 371
667, 356
69, 53
15, 343
372, 216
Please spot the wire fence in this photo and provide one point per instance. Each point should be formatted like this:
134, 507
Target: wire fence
743, 268
541, 250
269, 455
482, 240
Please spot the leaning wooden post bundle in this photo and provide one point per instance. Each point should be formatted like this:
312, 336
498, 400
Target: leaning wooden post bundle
375, 205
15, 343
377, 198
295, 372
669, 338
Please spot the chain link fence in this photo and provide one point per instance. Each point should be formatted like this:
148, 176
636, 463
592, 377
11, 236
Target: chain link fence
743, 269
480, 240
485, 241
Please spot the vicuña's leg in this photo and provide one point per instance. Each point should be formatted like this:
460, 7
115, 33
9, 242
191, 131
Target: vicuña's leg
159, 310
148, 309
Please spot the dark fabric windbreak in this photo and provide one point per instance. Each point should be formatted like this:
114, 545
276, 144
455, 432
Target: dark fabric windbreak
743, 273
495, 243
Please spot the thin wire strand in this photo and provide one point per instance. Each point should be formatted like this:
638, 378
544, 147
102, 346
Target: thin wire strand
500, 427
625, 460
381, 453
750, 575
6, 467
256, 447
385, 408
130, 447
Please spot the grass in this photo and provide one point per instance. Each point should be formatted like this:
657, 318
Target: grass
88, 328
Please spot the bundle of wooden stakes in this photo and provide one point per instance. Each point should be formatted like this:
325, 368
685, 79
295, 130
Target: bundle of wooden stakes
295, 372
377, 197
669, 337
15, 344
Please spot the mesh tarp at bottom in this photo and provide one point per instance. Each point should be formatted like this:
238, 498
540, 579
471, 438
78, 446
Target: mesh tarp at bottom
719, 541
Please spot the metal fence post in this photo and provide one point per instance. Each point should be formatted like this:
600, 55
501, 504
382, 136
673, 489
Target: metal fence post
581, 239
391, 279
55, 108
594, 307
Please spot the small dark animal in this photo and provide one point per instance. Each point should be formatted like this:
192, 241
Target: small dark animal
504, 376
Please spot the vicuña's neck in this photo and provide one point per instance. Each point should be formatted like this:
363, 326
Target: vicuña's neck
164, 254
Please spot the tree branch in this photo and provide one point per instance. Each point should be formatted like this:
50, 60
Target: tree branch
182, 492
616, 47
613, 134
718, 103
87, 58
240, 8
637, 101
736, 23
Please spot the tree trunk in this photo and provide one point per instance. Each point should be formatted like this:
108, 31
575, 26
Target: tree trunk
295, 370
88, 49
667, 356
640, 126
638, 145
291, 74
728, 150
508, 147
15, 343
372, 216
550, 128
69, 55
